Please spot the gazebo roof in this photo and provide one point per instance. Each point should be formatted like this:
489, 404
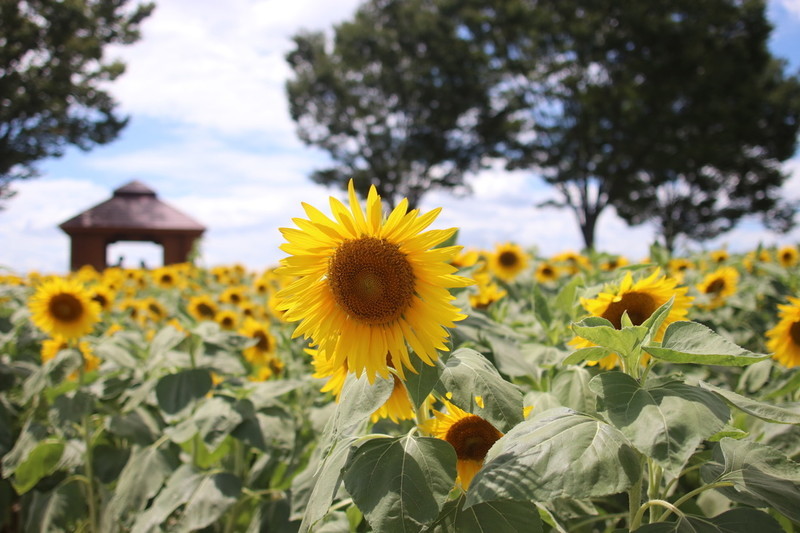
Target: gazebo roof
134, 206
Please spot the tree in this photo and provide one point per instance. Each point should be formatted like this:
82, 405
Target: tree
399, 100
53, 78
672, 111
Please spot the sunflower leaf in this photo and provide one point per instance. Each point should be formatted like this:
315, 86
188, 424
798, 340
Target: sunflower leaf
665, 419
761, 475
764, 411
466, 375
401, 483
690, 342
559, 453
740, 520
599, 331
592, 353
497, 517
176, 392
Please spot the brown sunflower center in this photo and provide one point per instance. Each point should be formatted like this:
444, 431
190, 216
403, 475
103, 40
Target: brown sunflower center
205, 310
472, 436
101, 299
263, 341
716, 286
371, 279
65, 307
508, 259
794, 333
639, 306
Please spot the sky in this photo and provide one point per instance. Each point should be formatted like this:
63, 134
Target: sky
210, 132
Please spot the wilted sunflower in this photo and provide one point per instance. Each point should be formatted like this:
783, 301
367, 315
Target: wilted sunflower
470, 435
265, 348
546, 272
507, 261
366, 286
717, 286
202, 307
640, 299
62, 307
784, 338
788, 256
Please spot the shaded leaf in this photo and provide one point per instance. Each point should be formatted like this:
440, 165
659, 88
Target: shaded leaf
690, 342
764, 411
497, 517
740, 520
176, 392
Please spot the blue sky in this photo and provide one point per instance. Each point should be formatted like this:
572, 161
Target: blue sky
210, 132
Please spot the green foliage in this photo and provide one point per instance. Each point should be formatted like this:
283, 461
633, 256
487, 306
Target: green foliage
54, 78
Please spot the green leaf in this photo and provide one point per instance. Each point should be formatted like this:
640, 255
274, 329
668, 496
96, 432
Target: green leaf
215, 418
739, 520
571, 387
57, 510
559, 453
176, 392
761, 475
42, 461
400, 484
728, 431
70, 408
468, 374
764, 411
592, 353
566, 298
665, 420
654, 321
540, 307
690, 342
421, 384
212, 497
497, 517
165, 340
601, 332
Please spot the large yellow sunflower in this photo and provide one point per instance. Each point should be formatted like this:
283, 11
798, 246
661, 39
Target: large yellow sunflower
640, 299
366, 286
784, 338
507, 261
470, 435
63, 307
717, 286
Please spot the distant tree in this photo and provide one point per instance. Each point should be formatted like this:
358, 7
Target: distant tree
53, 78
398, 99
672, 111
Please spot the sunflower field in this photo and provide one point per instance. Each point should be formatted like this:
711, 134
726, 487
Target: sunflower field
382, 378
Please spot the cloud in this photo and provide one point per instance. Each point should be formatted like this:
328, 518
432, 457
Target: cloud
792, 6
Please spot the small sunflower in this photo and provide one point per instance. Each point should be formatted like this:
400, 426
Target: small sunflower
640, 300
717, 286
507, 261
365, 286
487, 292
678, 266
62, 307
265, 348
572, 262
719, 256
235, 295
167, 277
202, 307
614, 263
784, 338
788, 256
103, 295
470, 435
546, 272
228, 319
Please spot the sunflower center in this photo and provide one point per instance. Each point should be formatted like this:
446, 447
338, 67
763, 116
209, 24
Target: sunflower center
205, 310
102, 300
794, 333
371, 279
716, 286
472, 436
263, 341
65, 307
508, 259
639, 306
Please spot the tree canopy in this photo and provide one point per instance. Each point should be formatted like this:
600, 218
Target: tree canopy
54, 78
398, 99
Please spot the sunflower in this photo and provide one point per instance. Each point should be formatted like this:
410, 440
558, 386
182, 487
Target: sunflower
324, 368
719, 256
784, 338
640, 299
228, 319
507, 261
469, 434
466, 258
788, 256
678, 266
62, 307
235, 295
264, 348
167, 277
573, 262
398, 406
202, 307
103, 295
717, 286
546, 272
487, 293
365, 286
614, 263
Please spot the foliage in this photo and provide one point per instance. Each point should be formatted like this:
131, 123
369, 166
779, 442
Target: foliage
54, 78
397, 99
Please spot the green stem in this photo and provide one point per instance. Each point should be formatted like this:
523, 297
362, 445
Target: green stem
689, 495
637, 520
654, 485
593, 519
635, 496
91, 497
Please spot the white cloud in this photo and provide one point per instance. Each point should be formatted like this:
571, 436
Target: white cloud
792, 6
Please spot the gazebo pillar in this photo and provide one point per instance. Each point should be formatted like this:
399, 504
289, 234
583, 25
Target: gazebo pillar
88, 250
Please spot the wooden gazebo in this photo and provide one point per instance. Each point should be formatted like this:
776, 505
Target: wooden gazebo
133, 213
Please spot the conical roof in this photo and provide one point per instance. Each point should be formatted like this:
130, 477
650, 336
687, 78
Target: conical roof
133, 206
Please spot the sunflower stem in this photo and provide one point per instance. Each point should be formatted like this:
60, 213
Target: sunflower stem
635, 495
91, 497
422, 416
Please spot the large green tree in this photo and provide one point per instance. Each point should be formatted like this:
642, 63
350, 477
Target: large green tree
672, 111
54, 78
397, 98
